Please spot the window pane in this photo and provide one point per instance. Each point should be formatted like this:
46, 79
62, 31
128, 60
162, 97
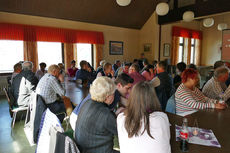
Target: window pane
181, 40
84, 52
180, 53
192, 55
11, 52
192, 41
50, 53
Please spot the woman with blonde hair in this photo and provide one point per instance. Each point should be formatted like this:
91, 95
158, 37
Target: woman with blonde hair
96, 124
143, 127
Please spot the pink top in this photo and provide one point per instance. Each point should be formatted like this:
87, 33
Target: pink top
148, 76
137, 77
72, 72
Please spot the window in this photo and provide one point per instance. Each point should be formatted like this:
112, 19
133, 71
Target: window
11, 52
183, 50
49, 52
84, 52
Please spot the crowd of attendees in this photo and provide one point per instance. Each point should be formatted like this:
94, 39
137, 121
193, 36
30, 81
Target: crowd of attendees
128, 99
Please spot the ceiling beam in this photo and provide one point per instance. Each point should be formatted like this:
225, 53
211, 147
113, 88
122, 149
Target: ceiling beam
201, 8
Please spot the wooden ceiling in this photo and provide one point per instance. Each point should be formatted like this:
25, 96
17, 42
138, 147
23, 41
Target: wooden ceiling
106, 12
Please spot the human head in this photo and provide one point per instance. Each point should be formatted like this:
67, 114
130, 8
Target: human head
193, 66
161, 66
42, 66
142, 55
221, 74
73, 63
190, 75
54, 70
84, 64
141, 103
150, 68
101, 89
218, 64
145, 62
27, 65
126, 68
107, 68
135, 61
102, 62
124, 83
18, 67
61, 66
180, 67
118, 63
133, 68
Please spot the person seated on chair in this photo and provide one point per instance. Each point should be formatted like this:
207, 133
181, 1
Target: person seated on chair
72, 70
180, 67
85, 73
62, 69
49, 87
134, 73
164, 90
123, 69
143, 127
96, 124
40, 73
107, 71
216, 88
17, 70
188, 97
116, 65
123, 87
148, 72
145, 64
100, 67
24, 84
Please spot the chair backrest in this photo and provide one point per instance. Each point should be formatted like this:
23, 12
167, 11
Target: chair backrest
171, 105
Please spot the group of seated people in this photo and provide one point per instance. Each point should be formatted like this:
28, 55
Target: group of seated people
127, 100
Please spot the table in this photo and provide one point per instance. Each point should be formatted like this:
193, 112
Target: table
216, 120
76, 92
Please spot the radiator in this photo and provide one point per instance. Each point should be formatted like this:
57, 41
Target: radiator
3, 84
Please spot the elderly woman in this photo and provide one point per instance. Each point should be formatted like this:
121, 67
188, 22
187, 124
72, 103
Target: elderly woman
188, 97
143, 128
96, 124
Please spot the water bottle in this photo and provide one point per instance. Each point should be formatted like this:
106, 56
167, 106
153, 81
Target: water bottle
221, 96
184, 136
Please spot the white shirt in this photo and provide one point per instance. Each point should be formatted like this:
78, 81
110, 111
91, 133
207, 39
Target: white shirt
159, 129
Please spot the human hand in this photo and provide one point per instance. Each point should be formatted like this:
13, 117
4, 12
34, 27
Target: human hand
220, 106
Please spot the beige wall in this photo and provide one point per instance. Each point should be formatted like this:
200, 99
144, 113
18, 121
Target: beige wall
130, 37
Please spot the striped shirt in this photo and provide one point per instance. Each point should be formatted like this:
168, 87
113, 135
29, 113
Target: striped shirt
214, 89
188, 100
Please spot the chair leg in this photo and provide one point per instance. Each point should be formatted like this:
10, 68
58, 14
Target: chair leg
14, 118
27, 115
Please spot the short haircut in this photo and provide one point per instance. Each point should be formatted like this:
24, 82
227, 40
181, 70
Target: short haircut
218, 64
82, 63
189, 73
162, 64
42, 64
135, 60
136, 67
123, 79
17, 66
193, 66
181, 66
101, 88
127, 64
53, 68
117, 61
220, 71
27, 65
106, 66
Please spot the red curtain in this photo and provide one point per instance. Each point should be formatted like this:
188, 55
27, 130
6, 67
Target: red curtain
186, 33
37, 33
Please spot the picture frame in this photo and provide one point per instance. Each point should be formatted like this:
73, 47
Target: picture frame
115, 47
147, 47
166, 52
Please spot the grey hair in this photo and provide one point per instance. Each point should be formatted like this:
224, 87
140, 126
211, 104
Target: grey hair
27, 65
220, 71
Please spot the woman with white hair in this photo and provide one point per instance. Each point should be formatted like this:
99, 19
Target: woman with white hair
96, 124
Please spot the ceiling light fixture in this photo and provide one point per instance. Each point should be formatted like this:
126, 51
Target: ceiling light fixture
123, 2
188, 16
208, 22
162, 9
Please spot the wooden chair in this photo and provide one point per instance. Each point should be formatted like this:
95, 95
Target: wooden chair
12, 108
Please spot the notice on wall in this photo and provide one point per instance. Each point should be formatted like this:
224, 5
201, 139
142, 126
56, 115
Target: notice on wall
225, 54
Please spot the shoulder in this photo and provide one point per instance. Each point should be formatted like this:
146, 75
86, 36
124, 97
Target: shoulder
120, 117
159, 117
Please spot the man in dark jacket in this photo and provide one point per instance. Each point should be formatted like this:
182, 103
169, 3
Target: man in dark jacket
24, 84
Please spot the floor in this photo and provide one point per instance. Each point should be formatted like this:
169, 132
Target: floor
15, 142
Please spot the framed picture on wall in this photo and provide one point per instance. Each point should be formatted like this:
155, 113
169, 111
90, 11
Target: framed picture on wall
147, 47
166, 52
115, 47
